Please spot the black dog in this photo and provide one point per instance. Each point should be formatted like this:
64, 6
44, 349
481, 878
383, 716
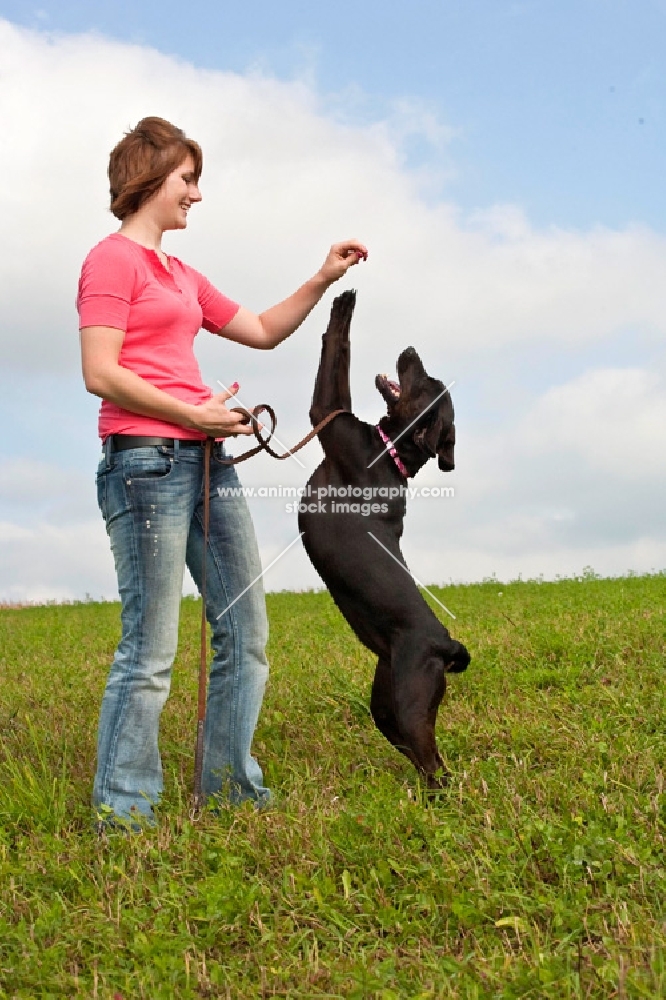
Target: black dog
353, 537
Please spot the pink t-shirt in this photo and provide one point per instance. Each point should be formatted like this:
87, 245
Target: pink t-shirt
126, 286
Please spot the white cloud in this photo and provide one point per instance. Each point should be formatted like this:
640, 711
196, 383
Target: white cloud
42, 562
284, 176
612, 419
459, 565
33, 490
577, 479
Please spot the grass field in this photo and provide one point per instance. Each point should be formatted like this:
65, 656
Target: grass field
539, 872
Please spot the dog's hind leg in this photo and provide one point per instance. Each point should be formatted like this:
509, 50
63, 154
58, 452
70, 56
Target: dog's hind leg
331, 391
382, 710
418, 691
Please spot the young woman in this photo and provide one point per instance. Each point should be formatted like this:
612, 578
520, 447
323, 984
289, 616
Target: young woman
139, 311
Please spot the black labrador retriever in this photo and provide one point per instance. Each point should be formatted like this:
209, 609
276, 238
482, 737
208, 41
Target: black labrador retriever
351, 520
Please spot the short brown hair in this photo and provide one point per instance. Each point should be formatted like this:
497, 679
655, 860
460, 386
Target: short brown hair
143, 159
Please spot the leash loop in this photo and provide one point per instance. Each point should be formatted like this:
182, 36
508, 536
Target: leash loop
264, 445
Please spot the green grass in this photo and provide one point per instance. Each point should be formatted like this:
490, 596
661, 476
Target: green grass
539, 872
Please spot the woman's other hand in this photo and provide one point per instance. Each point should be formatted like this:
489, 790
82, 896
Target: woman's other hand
215, 419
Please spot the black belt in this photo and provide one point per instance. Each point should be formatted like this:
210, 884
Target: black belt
121, 442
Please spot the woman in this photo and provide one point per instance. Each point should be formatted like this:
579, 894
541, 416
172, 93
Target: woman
139, 311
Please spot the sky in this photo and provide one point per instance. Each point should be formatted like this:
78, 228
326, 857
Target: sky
504, 163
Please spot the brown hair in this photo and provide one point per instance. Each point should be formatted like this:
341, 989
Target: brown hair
143, 159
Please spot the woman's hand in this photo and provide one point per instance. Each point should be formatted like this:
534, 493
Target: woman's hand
340, 258
214, 419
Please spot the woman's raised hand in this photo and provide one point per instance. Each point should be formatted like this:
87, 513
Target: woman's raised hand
341, 257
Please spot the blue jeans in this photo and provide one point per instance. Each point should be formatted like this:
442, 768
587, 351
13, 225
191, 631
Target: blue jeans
152, 502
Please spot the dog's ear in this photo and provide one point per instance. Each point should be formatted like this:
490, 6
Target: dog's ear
437, 439
445, 448
445, 463
423, 439
427, 438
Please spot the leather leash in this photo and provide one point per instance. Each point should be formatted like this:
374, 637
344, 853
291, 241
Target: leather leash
203, 659
263, 445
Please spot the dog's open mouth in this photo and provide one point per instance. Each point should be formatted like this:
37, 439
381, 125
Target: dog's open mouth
389, 389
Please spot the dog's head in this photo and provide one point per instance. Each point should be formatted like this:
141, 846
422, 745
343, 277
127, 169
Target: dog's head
420, 414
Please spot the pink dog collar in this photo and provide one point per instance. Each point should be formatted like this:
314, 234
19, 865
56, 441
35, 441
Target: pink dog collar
390, 447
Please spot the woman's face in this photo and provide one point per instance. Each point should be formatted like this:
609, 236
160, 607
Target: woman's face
173, 200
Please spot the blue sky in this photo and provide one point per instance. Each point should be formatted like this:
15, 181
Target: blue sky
503, 161
558, 105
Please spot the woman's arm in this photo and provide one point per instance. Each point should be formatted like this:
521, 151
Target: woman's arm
103, 376
274, 325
